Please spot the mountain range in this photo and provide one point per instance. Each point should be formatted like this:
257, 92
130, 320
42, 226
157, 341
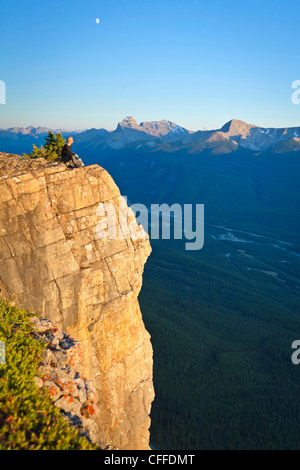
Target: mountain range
21, 139
165, 136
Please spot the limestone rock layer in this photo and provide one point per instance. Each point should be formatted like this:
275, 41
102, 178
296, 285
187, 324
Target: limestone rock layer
72, 251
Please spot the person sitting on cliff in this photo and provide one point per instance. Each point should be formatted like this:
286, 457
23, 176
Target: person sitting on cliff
67, 155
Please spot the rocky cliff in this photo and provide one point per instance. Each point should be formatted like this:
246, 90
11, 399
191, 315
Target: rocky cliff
61, 258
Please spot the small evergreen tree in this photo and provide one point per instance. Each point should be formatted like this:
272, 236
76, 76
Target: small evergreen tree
60, 142
51, 150
50, 141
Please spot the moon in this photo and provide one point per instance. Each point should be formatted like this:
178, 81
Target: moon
97, 20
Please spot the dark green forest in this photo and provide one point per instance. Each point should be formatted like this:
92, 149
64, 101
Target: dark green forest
223, 374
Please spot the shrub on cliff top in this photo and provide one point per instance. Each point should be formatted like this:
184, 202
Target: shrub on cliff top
28, 418
51, 150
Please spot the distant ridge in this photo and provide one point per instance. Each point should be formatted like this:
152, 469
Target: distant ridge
167, 135
164, 135
31, 130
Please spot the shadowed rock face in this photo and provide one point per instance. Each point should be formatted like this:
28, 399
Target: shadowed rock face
54, 262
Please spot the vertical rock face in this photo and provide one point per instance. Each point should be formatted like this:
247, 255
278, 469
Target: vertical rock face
62, 257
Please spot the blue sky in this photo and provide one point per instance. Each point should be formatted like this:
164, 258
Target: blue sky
197, 63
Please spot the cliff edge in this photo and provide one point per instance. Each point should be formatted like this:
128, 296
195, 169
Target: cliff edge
57, 260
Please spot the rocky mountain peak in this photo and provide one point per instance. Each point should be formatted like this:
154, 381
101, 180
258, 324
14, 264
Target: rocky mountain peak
152, 128
129, 121
236, 127
158, 128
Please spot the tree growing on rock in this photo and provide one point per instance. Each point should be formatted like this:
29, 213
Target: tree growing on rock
51, 150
